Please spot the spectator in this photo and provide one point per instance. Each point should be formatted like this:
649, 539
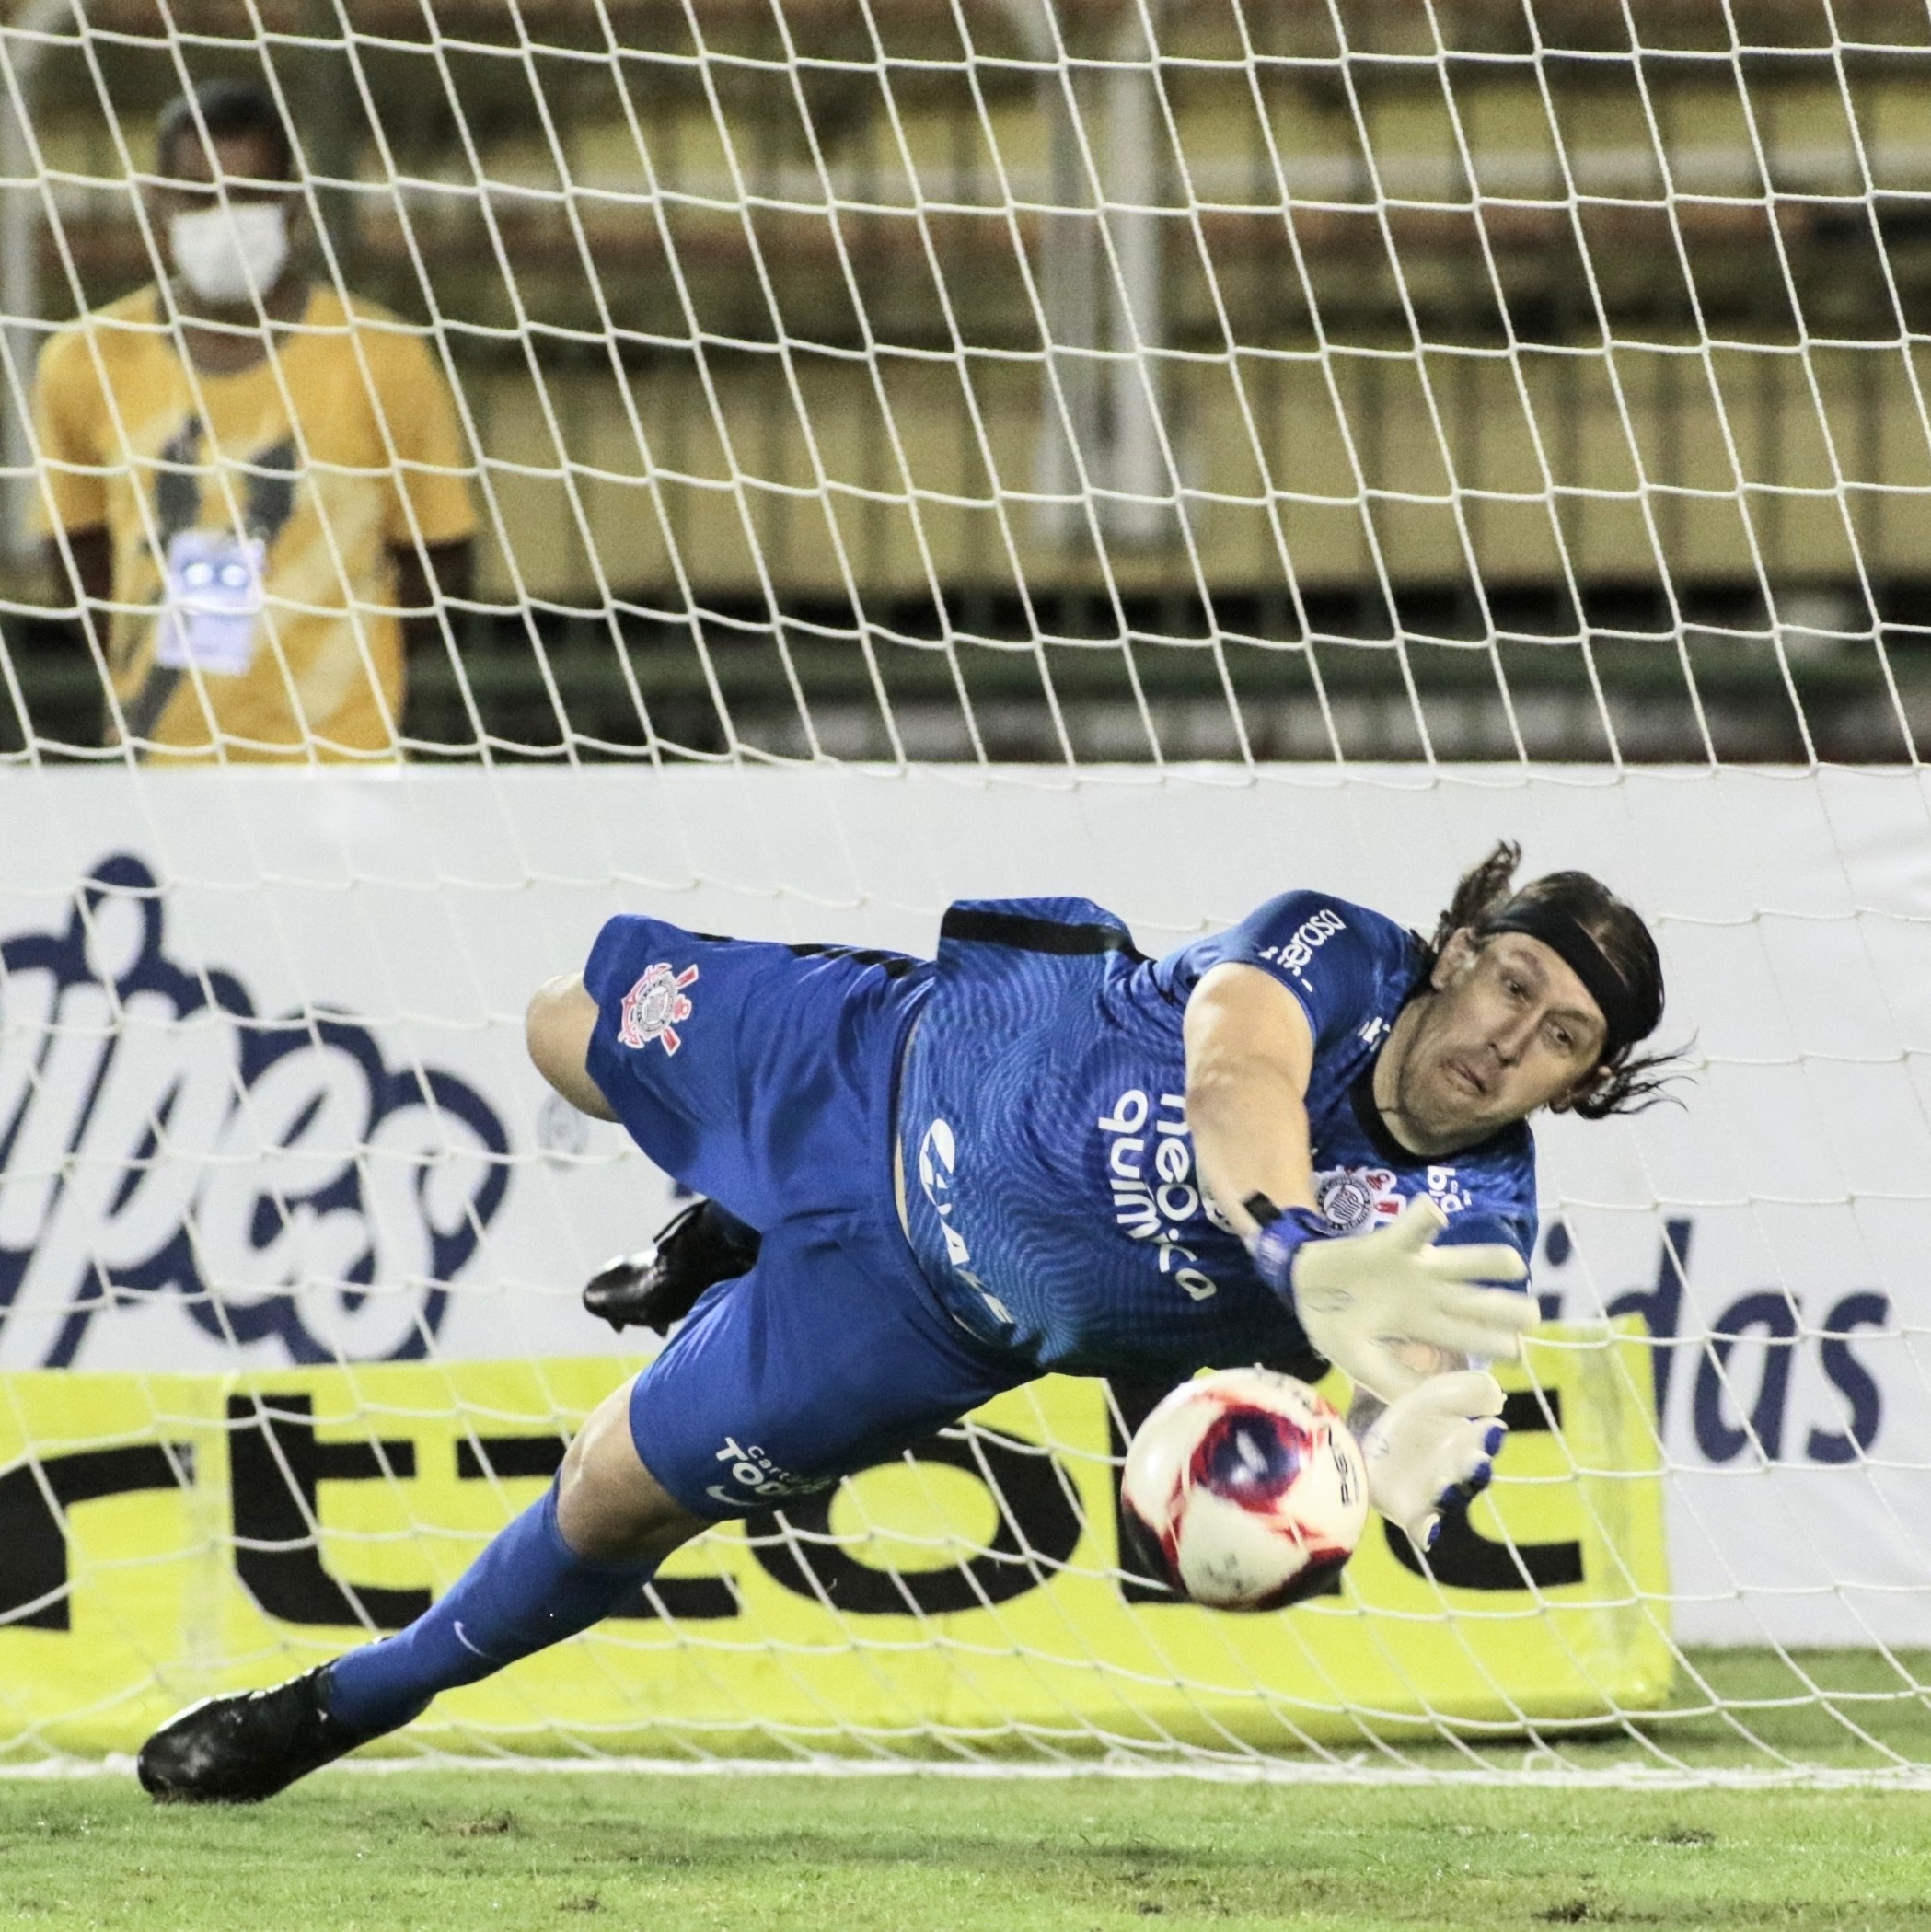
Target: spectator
248, 478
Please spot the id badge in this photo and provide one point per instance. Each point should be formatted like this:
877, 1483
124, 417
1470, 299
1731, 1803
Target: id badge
214, 600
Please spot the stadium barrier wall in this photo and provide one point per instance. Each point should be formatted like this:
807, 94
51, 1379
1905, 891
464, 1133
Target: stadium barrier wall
313, 982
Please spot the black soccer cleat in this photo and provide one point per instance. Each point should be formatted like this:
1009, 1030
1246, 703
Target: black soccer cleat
242, 1748
696, 1249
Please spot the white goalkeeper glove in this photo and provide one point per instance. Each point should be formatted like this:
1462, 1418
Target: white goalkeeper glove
1433, 1449
1355, 1295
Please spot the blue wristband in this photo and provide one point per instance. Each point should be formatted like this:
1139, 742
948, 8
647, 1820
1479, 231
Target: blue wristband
1280, 1240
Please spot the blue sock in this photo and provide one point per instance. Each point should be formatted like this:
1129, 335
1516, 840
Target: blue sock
528, 1590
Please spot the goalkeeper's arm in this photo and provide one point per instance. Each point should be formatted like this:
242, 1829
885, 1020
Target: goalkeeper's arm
557, 1027
1250, 1052
1388, 1308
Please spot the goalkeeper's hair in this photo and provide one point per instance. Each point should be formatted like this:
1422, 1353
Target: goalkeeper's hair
229, 109
1635, 1080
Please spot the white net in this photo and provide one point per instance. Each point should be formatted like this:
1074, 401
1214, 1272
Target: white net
1167, 453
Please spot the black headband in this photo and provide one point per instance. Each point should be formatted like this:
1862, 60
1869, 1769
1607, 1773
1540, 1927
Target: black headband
1625, 1012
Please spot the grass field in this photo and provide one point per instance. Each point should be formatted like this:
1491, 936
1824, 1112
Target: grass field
412, 1850
423, 1851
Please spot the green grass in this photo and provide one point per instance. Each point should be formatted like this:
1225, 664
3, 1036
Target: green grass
421, 1851
1752, 1710
1833, 1707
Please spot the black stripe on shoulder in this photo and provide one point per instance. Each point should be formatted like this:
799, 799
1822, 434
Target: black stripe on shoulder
895, 965
1033, 936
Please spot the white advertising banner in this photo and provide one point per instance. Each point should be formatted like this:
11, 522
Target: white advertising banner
263, 1097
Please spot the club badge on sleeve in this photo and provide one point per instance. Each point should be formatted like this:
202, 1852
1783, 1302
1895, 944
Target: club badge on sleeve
652, 1008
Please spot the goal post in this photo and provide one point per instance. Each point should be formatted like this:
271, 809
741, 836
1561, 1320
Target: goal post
1170, 452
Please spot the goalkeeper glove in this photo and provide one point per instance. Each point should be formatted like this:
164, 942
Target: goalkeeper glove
1434, 1449
1354, 1295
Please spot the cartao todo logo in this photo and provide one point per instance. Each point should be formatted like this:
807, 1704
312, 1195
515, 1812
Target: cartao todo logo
276, 1173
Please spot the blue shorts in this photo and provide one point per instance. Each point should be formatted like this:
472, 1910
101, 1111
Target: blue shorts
764, 1076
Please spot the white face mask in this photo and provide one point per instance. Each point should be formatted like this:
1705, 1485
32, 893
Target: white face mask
231, 254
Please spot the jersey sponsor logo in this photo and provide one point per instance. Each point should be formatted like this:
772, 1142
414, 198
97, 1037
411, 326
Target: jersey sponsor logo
655, 1007
938, 1161
1447, 1191
756, 1475
1155, 1192
1295, 953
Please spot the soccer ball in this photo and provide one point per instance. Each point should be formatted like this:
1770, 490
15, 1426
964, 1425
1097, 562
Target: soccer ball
1249, 1485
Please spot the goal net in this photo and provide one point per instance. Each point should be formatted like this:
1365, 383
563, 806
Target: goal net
1167, 452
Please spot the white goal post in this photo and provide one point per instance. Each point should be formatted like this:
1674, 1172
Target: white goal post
1168, 452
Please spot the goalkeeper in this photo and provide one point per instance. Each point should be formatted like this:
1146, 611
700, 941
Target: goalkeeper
1303, 1140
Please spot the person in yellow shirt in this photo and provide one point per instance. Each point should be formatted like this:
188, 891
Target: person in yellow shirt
248, 479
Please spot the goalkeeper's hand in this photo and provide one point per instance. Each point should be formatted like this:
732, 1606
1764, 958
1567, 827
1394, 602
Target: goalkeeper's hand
1354, 1295
1434, 1449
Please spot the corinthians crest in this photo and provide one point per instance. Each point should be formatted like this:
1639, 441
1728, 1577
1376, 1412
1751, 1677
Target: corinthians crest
652, 1008
1357, 1198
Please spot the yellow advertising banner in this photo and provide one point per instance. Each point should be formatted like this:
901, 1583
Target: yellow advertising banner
167, 1536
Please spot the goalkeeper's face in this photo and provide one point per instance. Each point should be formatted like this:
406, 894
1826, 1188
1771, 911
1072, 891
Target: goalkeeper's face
1509, 1028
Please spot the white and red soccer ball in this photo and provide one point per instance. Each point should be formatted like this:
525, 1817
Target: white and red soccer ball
1249, 1485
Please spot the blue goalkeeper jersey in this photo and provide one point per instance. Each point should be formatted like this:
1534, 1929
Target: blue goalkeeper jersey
1051, 1192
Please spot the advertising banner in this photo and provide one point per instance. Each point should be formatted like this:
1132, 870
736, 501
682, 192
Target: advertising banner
243, 1528
264, 1102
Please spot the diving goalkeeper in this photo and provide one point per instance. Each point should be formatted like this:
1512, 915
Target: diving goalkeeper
1303, 1141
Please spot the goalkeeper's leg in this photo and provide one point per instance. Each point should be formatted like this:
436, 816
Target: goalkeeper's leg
569, 1560
828, 1356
